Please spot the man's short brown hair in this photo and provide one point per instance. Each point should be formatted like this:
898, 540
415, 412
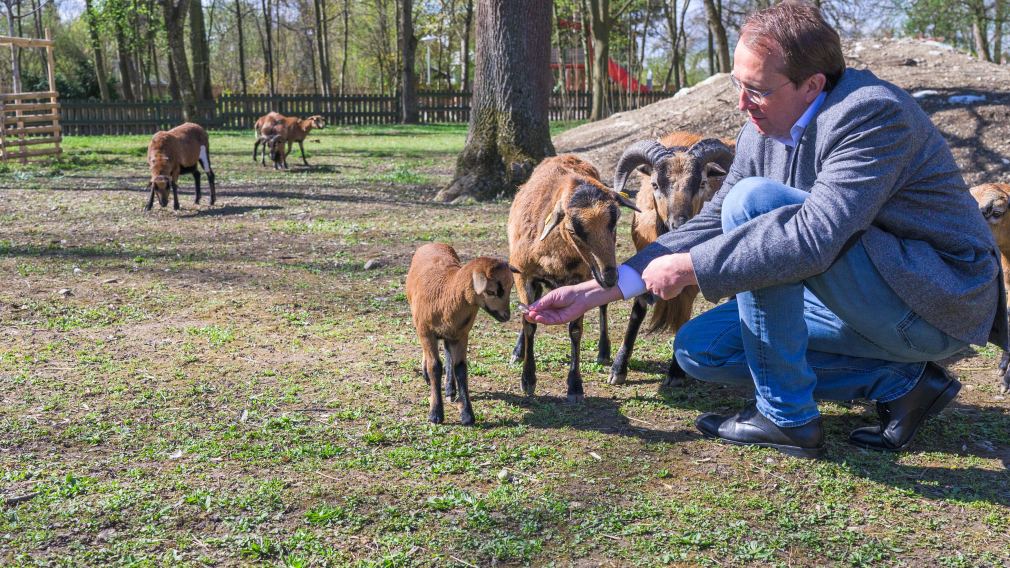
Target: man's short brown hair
808, 43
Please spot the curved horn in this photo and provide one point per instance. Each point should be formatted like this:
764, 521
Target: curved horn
711, 150
643, 152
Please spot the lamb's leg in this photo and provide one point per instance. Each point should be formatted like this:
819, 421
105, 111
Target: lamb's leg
457, 358
150, 199
433, 372
675, 376
256, 147
529, 376
175, 196
575, 391
450, 377
302, 146
603, 354
619, 371
205, 163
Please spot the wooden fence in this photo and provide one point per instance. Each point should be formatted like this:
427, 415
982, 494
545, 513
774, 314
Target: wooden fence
241, 111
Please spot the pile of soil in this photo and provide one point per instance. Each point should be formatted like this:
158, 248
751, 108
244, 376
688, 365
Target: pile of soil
978, 131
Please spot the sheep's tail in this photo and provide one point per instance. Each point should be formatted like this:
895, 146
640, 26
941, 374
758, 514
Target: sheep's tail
669, 315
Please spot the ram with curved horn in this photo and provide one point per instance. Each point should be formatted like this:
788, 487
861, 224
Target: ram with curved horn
679, 173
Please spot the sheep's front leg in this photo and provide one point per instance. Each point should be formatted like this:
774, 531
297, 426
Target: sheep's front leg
302, 147
529, 376
457, 359
619, 371
433, 374
150, 199
603, 354
175, 195
575, 392
528, 293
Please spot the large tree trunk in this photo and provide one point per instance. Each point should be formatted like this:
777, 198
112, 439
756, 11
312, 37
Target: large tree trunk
268, 51
175, 15
509, 127
96, 47
343, 58
323, 46
201, 52
998, 24
408, 48
125, 75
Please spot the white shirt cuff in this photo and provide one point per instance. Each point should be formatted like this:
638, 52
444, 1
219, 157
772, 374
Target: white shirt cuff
629, 281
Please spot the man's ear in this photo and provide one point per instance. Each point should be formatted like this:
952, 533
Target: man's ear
814, 86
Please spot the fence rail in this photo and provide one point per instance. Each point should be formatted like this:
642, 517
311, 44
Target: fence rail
79, 117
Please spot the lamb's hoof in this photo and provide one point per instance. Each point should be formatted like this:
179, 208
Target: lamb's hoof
575, 399
529, 389
603, 360
436, 417
618, 378
671, 382
466, 419
515, 359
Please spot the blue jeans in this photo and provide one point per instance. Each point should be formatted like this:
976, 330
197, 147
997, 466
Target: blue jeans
840, 335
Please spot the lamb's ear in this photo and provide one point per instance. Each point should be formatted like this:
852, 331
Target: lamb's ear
479, 283
514, 270
714, 169
625, 199
553, 219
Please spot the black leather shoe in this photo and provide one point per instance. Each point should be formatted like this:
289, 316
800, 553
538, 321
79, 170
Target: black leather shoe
750, 428
899, 419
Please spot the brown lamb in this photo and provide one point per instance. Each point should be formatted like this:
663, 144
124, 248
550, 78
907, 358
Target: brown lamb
994, 202
176, 152
444, 298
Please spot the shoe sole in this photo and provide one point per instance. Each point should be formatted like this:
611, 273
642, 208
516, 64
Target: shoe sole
949, 393
795, 451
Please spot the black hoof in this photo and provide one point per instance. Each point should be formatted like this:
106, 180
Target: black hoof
575, 399
466, 419
672, 382
529, 389
436, 417
618, 378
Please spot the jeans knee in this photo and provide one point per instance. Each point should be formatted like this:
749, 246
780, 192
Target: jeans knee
755, 196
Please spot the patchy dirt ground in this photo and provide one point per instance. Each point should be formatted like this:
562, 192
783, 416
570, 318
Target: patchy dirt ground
239, 385
978, 132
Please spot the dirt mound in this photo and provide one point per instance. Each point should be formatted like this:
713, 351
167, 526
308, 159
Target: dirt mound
977, 129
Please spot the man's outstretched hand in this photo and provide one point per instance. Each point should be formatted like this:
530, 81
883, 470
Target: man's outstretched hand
568, 303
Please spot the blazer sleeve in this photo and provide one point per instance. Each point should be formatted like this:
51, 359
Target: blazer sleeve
867, 155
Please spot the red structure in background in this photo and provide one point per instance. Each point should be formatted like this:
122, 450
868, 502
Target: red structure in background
574, 76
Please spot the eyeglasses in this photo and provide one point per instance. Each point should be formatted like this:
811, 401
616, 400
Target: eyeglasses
753, 95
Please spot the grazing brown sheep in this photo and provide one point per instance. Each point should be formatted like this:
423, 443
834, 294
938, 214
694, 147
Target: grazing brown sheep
444, 298
175, 152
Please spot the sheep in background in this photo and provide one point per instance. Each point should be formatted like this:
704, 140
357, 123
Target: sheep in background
175, 152
266, 121
994, 201
562, 230
297, 129
444, 298
681, 171
274, 137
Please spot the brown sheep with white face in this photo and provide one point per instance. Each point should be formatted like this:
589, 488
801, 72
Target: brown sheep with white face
444, 297
994, 203
679, 173
175, 152
562, 230
296, 129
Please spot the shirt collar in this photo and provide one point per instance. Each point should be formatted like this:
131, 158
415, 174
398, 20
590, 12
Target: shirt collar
797, 130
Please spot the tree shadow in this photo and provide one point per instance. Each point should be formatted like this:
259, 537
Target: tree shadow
224, 210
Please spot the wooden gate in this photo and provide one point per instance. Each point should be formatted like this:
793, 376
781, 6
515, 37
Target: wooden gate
30, 122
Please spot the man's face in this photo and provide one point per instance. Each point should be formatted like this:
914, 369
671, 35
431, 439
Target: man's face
760, 69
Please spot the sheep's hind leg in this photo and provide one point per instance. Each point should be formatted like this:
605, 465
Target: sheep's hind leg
300, 145
619, 371
575, 390
456, 361
205, 162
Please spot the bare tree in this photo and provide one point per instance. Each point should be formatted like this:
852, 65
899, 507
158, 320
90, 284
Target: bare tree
408, 49
602, 21
200, 52
509, 130
718, 34
96, 48
175, 15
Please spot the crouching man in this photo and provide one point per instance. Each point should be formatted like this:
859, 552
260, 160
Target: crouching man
844, 235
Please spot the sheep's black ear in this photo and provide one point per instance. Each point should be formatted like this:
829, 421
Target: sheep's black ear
479, 283
514, 269
714, 169
553, 219
625, 199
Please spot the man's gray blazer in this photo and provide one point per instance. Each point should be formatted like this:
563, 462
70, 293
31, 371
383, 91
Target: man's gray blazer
878, 170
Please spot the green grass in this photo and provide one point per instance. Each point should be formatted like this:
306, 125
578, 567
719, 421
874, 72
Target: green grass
229, 385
